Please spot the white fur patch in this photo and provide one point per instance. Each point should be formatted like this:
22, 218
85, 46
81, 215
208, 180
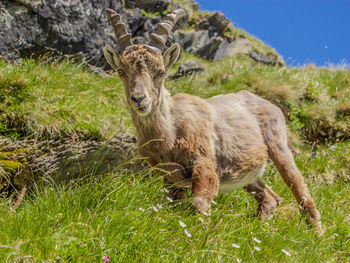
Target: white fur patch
246, 178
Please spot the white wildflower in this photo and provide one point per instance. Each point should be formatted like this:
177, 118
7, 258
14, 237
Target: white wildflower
256, 240
257, 248
286, 252
155, 209
169, 199
141, 209
182, 224
159, 206
238, 260
236, 245
187, 233
205, 213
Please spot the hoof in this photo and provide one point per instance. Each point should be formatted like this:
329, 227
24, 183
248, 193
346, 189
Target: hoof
313, 216
201, 205
268, 205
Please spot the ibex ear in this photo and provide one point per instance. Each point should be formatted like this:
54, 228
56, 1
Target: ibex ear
171, 56
111, 57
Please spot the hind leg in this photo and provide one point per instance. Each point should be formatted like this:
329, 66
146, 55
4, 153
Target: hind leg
283, 159
267, 199
276, 140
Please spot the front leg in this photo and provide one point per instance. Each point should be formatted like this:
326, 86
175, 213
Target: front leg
173, 192
205, 185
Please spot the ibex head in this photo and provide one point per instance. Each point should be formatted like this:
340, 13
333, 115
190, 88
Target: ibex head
142, 68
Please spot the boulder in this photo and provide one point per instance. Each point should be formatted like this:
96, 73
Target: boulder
230, 49
267, 59
29, 161
188, 68
218, 23
199, 42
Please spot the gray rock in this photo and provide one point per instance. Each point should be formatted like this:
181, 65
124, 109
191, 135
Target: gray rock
140, 40
65, 159
218, 23
186, 40
149, 5
202, 25
199, 42
230, 49
264, 59
135, 21
37, 27
188, 68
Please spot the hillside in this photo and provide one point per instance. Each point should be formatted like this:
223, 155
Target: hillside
122, 212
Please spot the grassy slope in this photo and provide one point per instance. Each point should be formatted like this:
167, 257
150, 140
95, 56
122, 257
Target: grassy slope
115, 216
102, 217
41, 99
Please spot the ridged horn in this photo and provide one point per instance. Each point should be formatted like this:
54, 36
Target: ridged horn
123, 37
159, 38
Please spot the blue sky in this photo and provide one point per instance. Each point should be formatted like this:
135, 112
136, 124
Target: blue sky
306, 31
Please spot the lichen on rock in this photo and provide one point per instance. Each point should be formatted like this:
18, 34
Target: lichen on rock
29, 161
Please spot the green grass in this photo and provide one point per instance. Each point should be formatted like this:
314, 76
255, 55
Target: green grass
115, 216
83, 222
46, 100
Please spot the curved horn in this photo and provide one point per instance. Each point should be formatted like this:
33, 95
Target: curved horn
159, 38
123, 37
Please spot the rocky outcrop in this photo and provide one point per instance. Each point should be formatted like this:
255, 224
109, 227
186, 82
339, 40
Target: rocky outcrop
80, 29
33, 28
30, 161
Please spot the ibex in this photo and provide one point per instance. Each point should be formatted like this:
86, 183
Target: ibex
221, 143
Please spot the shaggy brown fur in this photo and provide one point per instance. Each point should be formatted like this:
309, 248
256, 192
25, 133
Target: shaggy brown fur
205, 145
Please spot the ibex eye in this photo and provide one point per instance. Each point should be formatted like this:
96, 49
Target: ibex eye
161, 73
121, 72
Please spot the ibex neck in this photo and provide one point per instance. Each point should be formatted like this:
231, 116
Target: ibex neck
158, 125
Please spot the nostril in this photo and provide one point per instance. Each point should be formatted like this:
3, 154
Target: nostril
137, 100
133, 98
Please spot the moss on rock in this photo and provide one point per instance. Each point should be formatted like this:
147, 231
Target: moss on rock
10, 166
